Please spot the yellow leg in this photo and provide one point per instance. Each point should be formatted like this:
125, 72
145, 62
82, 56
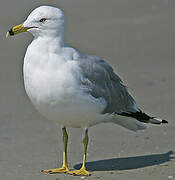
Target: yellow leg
82, 171
64, 167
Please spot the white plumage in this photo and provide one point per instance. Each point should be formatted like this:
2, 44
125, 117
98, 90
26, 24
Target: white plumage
54, 79
72, 88
51, 75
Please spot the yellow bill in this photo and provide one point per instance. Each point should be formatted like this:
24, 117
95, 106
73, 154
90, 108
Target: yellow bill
16, 30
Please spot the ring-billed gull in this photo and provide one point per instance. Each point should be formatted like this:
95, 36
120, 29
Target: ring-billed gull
72, 88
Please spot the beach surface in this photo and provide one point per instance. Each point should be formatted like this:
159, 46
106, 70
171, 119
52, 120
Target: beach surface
137, 38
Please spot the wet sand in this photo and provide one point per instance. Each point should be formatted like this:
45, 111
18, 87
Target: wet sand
137, 38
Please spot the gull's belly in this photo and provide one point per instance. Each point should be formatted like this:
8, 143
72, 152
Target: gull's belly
58, 97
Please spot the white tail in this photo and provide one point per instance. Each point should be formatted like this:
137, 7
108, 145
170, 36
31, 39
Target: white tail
155, 120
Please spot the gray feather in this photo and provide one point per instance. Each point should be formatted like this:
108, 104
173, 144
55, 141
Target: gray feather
99, 79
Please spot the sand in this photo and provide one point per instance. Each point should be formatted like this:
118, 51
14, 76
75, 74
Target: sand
137, 38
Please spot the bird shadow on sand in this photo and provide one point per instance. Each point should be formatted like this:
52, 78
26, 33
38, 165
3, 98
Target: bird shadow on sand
128, 162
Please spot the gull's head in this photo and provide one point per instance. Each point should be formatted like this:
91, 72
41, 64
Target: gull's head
42, 21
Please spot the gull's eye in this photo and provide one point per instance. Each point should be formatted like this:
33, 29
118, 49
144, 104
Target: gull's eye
42, 20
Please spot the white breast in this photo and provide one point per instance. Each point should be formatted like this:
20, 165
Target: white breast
53, 86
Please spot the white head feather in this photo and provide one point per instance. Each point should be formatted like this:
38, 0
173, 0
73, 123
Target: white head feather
47, 21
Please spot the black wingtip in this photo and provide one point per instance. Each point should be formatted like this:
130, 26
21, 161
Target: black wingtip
164, 121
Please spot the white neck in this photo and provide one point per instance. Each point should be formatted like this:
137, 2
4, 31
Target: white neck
50, 36
51, 44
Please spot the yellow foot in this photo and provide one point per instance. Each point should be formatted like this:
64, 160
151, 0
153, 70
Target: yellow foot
57, 170
80, 172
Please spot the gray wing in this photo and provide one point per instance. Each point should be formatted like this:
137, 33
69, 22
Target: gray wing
100, 81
